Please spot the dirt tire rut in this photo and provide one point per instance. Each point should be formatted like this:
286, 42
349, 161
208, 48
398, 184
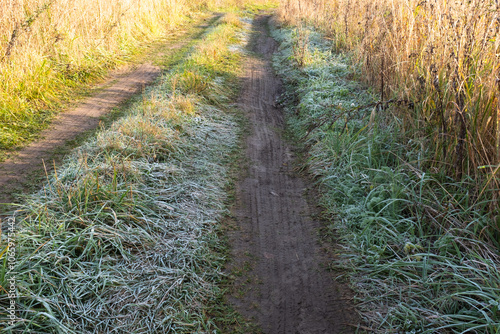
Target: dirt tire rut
15, 172
287, 290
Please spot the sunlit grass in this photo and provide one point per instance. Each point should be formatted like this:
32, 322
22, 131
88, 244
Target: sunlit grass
53, 47
52, 50
124, 237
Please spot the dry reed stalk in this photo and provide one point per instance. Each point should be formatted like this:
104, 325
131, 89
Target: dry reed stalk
441, 55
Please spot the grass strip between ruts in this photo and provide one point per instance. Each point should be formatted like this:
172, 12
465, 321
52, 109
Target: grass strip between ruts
123, 237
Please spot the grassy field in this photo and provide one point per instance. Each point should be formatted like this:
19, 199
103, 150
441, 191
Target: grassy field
422, 248
125, 236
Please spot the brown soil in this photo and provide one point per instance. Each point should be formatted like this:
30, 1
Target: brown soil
282, 281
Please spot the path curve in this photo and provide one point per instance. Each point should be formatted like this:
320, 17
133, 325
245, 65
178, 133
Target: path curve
287, 290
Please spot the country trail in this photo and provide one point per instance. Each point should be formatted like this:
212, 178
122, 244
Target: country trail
287, 290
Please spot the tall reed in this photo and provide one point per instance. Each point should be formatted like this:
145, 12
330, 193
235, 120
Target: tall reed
438, 58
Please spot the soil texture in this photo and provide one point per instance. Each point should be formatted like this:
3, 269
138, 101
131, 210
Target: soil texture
282, 282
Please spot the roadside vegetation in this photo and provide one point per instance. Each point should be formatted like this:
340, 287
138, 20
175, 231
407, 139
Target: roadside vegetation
419, 232
52, 50
124, 237
435, 63
394, 103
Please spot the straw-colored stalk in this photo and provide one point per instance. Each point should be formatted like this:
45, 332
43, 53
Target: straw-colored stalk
442, 56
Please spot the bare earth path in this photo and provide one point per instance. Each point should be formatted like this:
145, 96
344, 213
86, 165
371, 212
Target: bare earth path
16, 172
287, 290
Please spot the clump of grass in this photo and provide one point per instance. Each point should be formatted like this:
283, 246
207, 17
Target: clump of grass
422, 252
192, 83
232, 19
185, 104
124, 237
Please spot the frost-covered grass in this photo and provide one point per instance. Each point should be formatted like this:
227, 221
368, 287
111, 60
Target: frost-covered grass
124, 237
423, 254
440, 56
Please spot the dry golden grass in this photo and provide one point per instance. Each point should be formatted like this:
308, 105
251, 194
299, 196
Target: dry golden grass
232, 18
50, 47
442, 57
67, 31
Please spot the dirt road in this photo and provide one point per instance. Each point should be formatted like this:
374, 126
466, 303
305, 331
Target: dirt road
286, 290
16, 171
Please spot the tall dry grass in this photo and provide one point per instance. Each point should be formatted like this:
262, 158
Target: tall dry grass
438, 58
49, 47
33, 31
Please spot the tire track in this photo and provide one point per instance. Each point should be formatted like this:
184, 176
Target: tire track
16, 172
287, 290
